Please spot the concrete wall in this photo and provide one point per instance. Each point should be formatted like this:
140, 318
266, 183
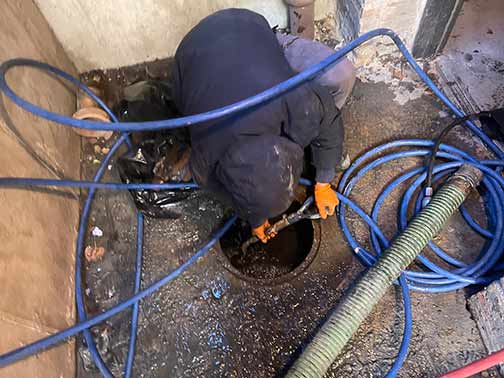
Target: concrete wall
402, 16
355, 17
37, 230
110, 34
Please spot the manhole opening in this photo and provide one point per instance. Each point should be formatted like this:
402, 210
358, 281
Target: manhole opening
280, 256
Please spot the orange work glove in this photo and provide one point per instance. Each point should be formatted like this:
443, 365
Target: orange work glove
325, 199
262, 232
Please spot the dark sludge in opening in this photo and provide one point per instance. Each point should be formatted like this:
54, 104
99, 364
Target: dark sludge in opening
278, 257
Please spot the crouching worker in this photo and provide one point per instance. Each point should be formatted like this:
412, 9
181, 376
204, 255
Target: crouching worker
253, 160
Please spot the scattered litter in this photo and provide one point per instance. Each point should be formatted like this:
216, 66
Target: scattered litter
87, 360
96, 161
97, 149
105, 150
101, 336
97, 231
92, 113
325, 31
109, 167
219, 287
111, 292
217, 292
93, 254
216, 340
443, 114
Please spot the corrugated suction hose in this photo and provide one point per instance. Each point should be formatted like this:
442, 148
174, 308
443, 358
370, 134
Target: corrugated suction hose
361, 299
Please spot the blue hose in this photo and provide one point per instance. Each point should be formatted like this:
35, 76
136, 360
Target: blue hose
50, 341
437, 280
243, 105
20, 182
81, 310
134, 313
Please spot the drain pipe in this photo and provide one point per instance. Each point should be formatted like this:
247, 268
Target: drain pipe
302, 18
360, 300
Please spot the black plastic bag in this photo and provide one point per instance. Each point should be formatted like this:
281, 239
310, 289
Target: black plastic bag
157, 157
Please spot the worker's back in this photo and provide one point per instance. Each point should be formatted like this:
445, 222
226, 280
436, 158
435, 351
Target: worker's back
229, 56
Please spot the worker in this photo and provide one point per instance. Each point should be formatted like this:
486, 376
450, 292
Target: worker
253, 160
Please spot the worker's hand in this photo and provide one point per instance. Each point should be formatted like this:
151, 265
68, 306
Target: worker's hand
325, 199
263, 233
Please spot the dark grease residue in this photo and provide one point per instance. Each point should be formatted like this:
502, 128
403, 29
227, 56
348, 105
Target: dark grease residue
279, 256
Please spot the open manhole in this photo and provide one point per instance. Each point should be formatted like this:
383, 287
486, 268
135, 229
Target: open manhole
281, 259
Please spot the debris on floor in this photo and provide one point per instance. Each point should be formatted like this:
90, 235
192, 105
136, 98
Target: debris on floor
93, 254
97, 232
325, 31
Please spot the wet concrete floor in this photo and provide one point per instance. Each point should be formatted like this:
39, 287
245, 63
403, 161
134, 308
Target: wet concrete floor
209, 323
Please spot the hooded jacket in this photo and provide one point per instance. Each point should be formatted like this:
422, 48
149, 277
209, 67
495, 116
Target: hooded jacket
252, 159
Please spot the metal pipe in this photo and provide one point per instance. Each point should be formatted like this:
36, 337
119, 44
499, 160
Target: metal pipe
361, 299
302, 18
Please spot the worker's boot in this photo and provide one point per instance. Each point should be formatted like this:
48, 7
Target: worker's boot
344, 164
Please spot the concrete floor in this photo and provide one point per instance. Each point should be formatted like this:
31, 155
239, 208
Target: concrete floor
471, 67
209, 323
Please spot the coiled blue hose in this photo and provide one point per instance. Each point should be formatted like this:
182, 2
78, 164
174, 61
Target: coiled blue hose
436, 280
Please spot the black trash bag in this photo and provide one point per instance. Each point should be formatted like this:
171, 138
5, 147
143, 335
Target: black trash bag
147, 101
156, 157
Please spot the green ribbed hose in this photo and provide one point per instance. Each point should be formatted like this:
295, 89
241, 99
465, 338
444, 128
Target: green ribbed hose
361, 299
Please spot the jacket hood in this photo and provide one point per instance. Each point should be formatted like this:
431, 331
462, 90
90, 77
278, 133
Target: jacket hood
260, 174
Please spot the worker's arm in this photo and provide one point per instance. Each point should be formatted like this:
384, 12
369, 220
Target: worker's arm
315, 120
327, 148
327, 151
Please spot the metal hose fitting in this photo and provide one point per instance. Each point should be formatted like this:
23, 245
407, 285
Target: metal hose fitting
361, 299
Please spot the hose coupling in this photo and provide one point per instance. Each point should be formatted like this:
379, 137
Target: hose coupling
427, 196
466, 178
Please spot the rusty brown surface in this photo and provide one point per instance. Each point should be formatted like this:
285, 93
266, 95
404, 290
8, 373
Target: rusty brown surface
37, 229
